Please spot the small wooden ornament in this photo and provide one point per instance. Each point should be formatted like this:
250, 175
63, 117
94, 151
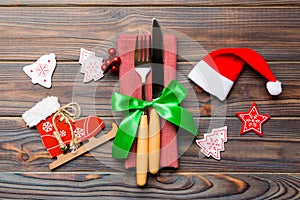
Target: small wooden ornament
61, 131
213, 143
90, 65
41, 71
92, 143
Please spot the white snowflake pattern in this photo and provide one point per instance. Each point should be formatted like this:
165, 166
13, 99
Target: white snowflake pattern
47, 127
253, 121
62, 133
79, 132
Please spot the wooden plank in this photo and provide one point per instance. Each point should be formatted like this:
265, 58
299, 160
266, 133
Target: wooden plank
18, 94
163, 186
277, 151
273, 32
146, 3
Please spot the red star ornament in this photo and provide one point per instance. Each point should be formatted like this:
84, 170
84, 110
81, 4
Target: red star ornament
252, 120
213, 143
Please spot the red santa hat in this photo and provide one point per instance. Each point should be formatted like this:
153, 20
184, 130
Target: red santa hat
217, 72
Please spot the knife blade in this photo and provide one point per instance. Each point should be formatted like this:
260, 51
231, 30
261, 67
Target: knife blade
157, 67
157, 56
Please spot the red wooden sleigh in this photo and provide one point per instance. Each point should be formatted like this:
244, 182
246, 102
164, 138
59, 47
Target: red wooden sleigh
84, 129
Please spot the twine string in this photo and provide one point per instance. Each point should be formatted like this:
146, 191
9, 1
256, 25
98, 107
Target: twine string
69, 118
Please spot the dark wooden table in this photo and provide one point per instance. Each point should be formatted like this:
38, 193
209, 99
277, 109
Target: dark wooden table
252, 167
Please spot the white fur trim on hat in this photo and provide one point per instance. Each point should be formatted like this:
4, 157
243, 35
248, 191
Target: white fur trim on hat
210, 80
41, 111
274, 88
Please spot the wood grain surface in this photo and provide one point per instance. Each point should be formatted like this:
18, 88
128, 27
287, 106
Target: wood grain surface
64, 30
140, 3
163, 186
252, 167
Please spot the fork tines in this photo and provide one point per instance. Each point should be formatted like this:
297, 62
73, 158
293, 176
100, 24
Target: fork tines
143, 47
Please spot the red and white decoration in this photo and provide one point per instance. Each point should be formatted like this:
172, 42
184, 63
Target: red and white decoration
252, 120
213, 143
87, 127
90, 65
41, 116
84, 54
41, 71
48, 138
217, 72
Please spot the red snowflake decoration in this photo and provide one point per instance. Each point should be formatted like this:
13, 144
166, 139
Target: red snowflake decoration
213, 143
252, 120
42, 70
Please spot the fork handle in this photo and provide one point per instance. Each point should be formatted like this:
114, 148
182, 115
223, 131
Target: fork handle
142, 152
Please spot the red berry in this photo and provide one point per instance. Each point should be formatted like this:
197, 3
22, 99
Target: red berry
103, 67
112, 51
114, 69
116, 60
107, 62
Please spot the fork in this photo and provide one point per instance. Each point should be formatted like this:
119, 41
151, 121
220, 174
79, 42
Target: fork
142, 59
142, 66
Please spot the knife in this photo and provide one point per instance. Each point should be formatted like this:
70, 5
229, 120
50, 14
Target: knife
157, 67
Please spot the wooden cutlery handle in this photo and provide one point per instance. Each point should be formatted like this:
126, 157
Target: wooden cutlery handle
142, 152
154, 141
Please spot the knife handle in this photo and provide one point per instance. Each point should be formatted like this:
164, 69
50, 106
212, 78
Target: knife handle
142, 152
154, 141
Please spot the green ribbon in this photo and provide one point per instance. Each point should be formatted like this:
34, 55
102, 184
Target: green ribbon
167, 106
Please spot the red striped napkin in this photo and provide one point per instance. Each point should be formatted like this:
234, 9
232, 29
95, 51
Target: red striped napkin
130, 84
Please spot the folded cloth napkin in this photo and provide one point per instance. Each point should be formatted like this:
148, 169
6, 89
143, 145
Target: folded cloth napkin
130, 84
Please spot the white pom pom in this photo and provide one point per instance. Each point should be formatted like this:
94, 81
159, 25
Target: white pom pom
274, 88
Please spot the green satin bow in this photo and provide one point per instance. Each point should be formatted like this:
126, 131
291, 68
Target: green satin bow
167, 106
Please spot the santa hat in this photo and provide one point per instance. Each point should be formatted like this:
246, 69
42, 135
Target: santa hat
217, 72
